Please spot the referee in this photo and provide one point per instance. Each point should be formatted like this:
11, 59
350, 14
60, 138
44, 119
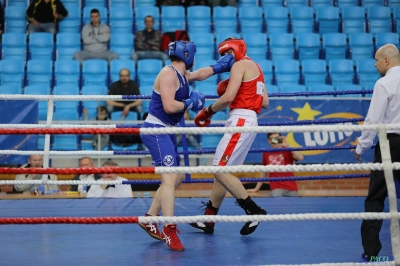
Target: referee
384, 109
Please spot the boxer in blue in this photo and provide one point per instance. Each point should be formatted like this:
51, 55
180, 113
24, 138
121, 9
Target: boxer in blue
169, 101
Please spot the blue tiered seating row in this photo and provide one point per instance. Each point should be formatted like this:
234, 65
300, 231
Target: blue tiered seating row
295, 19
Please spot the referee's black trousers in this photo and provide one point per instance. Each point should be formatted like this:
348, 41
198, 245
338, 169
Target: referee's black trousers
376, 198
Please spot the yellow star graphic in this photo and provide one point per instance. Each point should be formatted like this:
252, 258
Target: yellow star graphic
279, 108
305, 113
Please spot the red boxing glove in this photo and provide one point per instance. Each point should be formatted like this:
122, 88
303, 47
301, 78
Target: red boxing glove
203, 118
221, 88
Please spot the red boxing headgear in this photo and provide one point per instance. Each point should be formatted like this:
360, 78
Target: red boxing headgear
238, 45
221, 88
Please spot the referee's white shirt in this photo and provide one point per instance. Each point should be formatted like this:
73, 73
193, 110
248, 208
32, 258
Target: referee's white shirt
384, 107
120, 191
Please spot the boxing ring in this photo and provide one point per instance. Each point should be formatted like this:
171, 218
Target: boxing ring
316, 230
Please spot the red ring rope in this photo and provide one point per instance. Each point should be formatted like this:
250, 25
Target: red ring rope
75, 171
59, 131
71, 220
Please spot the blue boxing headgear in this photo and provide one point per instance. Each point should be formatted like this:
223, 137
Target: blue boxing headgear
184, 51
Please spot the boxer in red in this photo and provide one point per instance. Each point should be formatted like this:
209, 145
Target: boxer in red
245, 94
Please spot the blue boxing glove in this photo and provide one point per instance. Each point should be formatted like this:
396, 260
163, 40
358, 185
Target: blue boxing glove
224, 64
195, 102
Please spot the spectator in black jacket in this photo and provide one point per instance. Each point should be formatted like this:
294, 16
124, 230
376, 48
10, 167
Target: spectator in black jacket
44, 14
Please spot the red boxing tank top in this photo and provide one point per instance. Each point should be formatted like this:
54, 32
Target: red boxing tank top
250, 93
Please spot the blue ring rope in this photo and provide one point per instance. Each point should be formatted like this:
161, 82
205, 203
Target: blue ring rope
296, 178
254, 150
286, 94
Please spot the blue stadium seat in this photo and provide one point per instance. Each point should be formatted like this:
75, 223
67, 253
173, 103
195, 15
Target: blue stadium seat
289, 88
41, 45
10, 89
276, 19
314, 71
361, 46
308, 46
396, 18
42, 105
353, 19
94, 72
119, 3
40, 72
73, 2
95, 2
66, 110
67, 72
366, 72
302, 19
204, 45
243, 3
117, 65
292, 3
341, 71
346, 3
71, 23
14, 46
281, 46
348, 87
12, 73
370, 3
225, 19
172, 18
148, 70
199, 19
205, 88
66, 89
379, 19
144, 3
67, 45
40, 143
210, 141
393, 4
146, 90
250, 18
271, 3
266, 67
14, 19
256, 45
92, 106
224, 75
321, 88
287, 72
122, 44
121, 19
385, 38
23, 3
65, 142
141, 12
272, 89
102, 10
328, 19
319, 3
334, 45
205, 63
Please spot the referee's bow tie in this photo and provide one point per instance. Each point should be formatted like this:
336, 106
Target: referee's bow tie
108, 186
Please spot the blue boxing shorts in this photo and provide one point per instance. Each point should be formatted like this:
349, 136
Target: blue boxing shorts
162, 147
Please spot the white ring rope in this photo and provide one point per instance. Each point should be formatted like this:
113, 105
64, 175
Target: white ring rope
204, 130
267, 218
